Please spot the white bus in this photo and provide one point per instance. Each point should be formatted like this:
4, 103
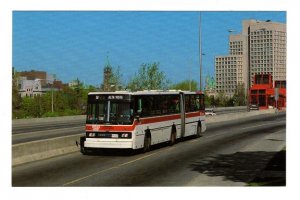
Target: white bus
137, 120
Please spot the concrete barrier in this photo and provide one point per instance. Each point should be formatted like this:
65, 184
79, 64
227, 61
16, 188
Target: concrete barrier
42, 149
233, 116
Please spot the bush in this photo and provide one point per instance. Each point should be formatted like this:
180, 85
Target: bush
50, 114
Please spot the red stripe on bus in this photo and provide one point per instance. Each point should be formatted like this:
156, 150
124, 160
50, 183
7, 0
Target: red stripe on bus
159, 119
118, 128
193, 114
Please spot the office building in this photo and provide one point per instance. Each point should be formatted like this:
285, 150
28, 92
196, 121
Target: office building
229, 73
259, 49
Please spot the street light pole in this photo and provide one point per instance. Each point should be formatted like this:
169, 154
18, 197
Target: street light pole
200, 51
249, 72
52, 98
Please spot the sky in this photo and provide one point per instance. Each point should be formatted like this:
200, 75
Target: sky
76, 44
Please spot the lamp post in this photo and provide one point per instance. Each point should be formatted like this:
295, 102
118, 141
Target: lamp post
200, 51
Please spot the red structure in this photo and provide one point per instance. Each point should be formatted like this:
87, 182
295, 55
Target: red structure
265, 94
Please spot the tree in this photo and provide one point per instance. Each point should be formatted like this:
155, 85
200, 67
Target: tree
149, 77
221, 99
239, 96
209, 100
78, 100
189, 85
31, 107
16, 98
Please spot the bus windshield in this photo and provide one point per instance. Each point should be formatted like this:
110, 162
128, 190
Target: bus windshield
109, 112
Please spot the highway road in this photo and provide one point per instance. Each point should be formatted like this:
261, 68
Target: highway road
229, 154
33, 127
40, 131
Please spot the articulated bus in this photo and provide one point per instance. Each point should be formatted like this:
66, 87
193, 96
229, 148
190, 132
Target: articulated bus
137, 120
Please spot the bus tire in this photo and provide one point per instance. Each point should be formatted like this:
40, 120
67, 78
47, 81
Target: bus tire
83, 150
199, 130
173, 137
147, 142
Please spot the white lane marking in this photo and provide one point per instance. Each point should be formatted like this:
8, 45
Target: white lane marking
105, 170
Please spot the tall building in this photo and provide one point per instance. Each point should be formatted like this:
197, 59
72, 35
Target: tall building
229, 73
259, 49
267, 48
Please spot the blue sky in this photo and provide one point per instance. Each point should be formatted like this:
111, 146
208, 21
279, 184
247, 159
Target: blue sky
76, 44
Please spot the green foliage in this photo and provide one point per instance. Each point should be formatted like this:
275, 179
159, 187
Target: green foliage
16, 98
221, 100
239, 96
31, 107
68, 101
149, 77
188, 85
209, 101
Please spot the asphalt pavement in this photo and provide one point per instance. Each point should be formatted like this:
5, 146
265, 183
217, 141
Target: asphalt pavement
230, 156
243, 167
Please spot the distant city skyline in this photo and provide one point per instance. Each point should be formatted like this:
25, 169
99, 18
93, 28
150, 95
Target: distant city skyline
76, 44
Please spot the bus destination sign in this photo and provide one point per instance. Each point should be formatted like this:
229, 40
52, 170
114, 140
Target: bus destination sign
117, 97
108, 97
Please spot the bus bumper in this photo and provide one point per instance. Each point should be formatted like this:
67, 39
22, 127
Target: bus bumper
108, 143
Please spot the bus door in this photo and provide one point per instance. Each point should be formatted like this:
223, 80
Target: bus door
182, 114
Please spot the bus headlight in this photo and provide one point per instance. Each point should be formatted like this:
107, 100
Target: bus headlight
92, 134
126, 135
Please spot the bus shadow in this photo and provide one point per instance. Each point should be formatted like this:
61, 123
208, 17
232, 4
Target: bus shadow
132, 152
241, 166
111, 152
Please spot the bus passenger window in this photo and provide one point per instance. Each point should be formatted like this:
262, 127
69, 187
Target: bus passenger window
187, 103
174, 104
193, 105
139, 109
201, 102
